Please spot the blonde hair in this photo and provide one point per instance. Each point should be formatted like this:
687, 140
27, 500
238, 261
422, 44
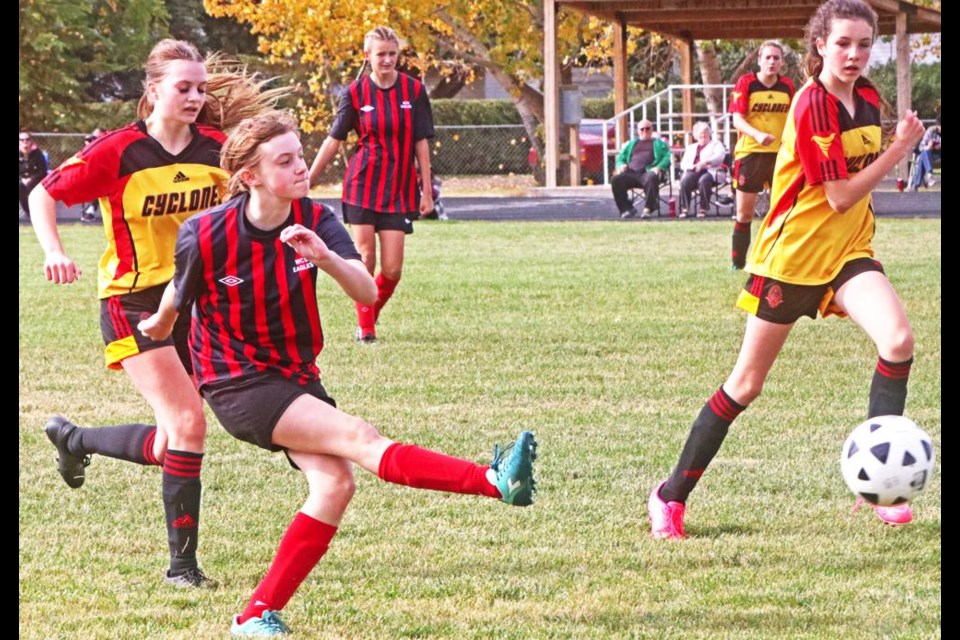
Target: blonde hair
242, 147
233, 93
771, 43
379, 34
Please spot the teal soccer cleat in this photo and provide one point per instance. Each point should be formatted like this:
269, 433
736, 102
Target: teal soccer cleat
268, 625
512, 469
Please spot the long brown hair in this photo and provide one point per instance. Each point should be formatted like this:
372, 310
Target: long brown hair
819, 27
242, 147
821, 22
233, 92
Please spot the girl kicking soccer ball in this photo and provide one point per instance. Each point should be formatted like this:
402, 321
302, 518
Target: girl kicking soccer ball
248, 269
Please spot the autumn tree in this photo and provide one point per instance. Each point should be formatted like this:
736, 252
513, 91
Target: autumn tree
504, 37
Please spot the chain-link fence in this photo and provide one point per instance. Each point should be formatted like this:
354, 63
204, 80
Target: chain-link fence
59, 146
457, 150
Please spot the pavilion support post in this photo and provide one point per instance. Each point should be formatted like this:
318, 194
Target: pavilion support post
904, 81
685, 48
551, 93
620, 74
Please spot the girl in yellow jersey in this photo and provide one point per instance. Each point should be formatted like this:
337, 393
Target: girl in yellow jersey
813, 252
149, 177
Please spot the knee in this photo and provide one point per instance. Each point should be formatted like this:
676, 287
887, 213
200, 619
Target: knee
339, 486
362, 434
744, 389
391, 272
187, 429
898, 346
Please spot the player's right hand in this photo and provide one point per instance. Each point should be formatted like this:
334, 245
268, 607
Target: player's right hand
910, 130
60, 269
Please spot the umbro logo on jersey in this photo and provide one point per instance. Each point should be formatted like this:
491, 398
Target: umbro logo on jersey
180, 177
769, 96
367, 108
865, 140
406, 105
230, 281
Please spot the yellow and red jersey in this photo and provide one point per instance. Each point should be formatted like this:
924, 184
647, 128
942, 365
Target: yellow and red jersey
803, 240
145, 195
762, 107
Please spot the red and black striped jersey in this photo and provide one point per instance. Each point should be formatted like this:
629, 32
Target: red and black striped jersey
254, 298
382, 173
762, 107
145, 195
803, 240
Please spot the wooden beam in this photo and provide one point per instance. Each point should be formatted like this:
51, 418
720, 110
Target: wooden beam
903, 79
685, 48
551, 93
620, 73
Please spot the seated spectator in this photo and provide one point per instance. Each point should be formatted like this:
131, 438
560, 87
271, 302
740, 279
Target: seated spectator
929, 153
700, 163
33, 167
639, 165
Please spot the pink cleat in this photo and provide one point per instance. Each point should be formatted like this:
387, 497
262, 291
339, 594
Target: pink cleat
666, 518
893, 515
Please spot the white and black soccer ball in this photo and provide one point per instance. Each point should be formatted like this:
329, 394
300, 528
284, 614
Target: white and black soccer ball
887, 460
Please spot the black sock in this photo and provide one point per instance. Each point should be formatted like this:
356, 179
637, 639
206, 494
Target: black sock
130, 442
706, 436
741, 244
181, 503
888, 391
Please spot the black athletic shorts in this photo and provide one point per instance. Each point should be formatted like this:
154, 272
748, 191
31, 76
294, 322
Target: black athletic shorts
753, 172
119, 317
352, 214
250, 407
784, 303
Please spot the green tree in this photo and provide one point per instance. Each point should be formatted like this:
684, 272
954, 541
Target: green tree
65, 45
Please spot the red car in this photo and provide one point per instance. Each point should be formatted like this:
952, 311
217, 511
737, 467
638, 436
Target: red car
591, 149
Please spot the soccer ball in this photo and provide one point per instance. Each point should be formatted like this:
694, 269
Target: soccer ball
887, 460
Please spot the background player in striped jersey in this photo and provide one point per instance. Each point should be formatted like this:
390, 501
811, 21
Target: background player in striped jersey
813, 252
150, 176
390, 112
248, 268
759, 103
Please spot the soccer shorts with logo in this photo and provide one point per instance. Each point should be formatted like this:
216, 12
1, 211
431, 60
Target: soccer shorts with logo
119, 316
784, 303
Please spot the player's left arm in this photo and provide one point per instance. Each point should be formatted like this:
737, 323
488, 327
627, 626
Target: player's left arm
422, 151
844, 193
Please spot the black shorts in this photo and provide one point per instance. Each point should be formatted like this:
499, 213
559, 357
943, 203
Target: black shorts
250, 407
753, 172
119, 316
784, 303
352, 214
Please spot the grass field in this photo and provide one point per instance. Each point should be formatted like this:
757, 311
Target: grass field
603, 338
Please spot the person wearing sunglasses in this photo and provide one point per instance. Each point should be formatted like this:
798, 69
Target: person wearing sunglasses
639, 165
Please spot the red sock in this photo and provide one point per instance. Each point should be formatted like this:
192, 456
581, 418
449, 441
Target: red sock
414, 466
385, 289
366, 318
301, 548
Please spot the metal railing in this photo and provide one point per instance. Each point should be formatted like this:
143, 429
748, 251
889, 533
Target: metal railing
661, 110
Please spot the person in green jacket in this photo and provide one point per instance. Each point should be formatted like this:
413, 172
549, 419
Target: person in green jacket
639, 165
